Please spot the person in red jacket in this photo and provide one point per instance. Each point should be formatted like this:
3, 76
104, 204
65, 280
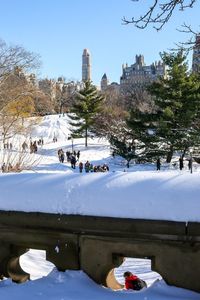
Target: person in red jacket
133, 282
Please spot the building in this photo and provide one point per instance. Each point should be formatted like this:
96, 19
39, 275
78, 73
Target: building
86, 65
139, 74
106, 86
104, 82
196, 55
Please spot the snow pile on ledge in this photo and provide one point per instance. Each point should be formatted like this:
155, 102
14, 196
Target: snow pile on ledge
168, 195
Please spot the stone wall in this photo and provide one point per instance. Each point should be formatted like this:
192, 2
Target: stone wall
97, 245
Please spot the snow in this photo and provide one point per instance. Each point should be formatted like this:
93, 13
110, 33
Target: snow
77, 285
139, 195
140, 192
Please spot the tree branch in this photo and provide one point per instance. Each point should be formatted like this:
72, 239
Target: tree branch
159, 13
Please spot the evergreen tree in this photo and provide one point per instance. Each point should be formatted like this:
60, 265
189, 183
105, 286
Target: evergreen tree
122, 142
87, 105
135, 138
143, 129
177, 98
175, 122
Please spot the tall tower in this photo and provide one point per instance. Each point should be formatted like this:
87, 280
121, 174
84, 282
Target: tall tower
86, 65
196, 55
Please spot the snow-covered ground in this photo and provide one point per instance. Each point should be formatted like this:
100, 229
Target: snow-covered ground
138, 192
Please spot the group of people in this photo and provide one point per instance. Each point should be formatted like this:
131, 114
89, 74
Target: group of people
181, 163
89, 167
40, 142
75, 154
33, 147
72, 157
7, 145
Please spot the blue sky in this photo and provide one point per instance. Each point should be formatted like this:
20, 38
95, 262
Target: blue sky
59, 30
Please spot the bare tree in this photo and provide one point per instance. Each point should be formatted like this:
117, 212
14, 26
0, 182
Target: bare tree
15, 87
15, 158
65, 95
16, 103
16, 56
159, 13
136, 96
112, 115
43, 103
17, 92
193, 41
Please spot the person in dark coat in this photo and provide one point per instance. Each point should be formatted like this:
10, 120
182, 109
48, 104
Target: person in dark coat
62, 157
68, 154
158, 164
3, 168
78, 154
181, 162
133, 282
190, 163
81, 167
73, 162
87, 166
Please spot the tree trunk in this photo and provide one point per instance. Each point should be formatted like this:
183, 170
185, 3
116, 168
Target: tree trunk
170, 154
184, 151
86, 137
4, 137
60, 108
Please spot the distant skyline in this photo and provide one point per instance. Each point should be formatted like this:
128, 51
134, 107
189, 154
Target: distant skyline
59, 31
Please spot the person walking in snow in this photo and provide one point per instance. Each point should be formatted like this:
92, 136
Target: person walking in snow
78, 154
190, 163
73, 162
158, 164
81, 167
181, 162
3, 168
133, 282
24, 146
87, 166
68, 154
62, 157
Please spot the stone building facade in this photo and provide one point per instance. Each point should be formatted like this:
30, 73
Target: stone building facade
139, 74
